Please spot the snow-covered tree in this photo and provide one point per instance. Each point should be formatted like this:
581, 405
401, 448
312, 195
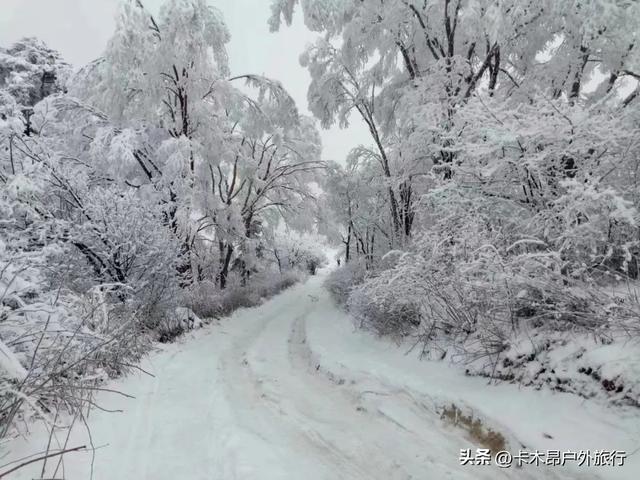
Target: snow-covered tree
411, 68
502, 167
30, 71
150, 170
222, 160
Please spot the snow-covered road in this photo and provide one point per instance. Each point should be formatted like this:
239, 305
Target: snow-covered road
248, 399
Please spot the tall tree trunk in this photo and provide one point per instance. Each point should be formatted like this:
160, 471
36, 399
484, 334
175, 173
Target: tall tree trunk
347, 245
408, 213
275, 254
225, 261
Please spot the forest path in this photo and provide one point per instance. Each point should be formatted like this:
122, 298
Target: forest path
243, 399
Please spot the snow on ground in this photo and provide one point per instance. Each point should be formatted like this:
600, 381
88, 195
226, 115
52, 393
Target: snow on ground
530, 419
289, 391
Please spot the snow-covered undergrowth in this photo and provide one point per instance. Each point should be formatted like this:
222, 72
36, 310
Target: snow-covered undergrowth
60, 347
582, 341
208, 302
518, 295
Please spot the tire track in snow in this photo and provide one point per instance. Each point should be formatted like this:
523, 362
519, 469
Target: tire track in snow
276, 380
267, 419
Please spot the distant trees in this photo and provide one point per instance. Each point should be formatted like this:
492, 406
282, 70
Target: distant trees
302, 251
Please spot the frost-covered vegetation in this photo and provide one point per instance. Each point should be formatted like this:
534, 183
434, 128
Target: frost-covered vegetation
492, 219
139, 194
495, 215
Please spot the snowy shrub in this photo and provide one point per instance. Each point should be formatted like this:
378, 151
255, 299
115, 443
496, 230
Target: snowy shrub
594, 230
124, 234
172, 326
477, 281
234, 298
203, 298
68, 344
382, 313
260, 289
341, 280
207, 301
268, 285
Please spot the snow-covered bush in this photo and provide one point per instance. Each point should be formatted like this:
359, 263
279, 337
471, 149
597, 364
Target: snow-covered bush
203, 299
169, 327
207, 301
131, 249
341, 280
488, 271
68, 343
268, 285
594, 230
384, 313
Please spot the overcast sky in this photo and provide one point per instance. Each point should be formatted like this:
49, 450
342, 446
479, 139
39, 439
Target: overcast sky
79, 29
